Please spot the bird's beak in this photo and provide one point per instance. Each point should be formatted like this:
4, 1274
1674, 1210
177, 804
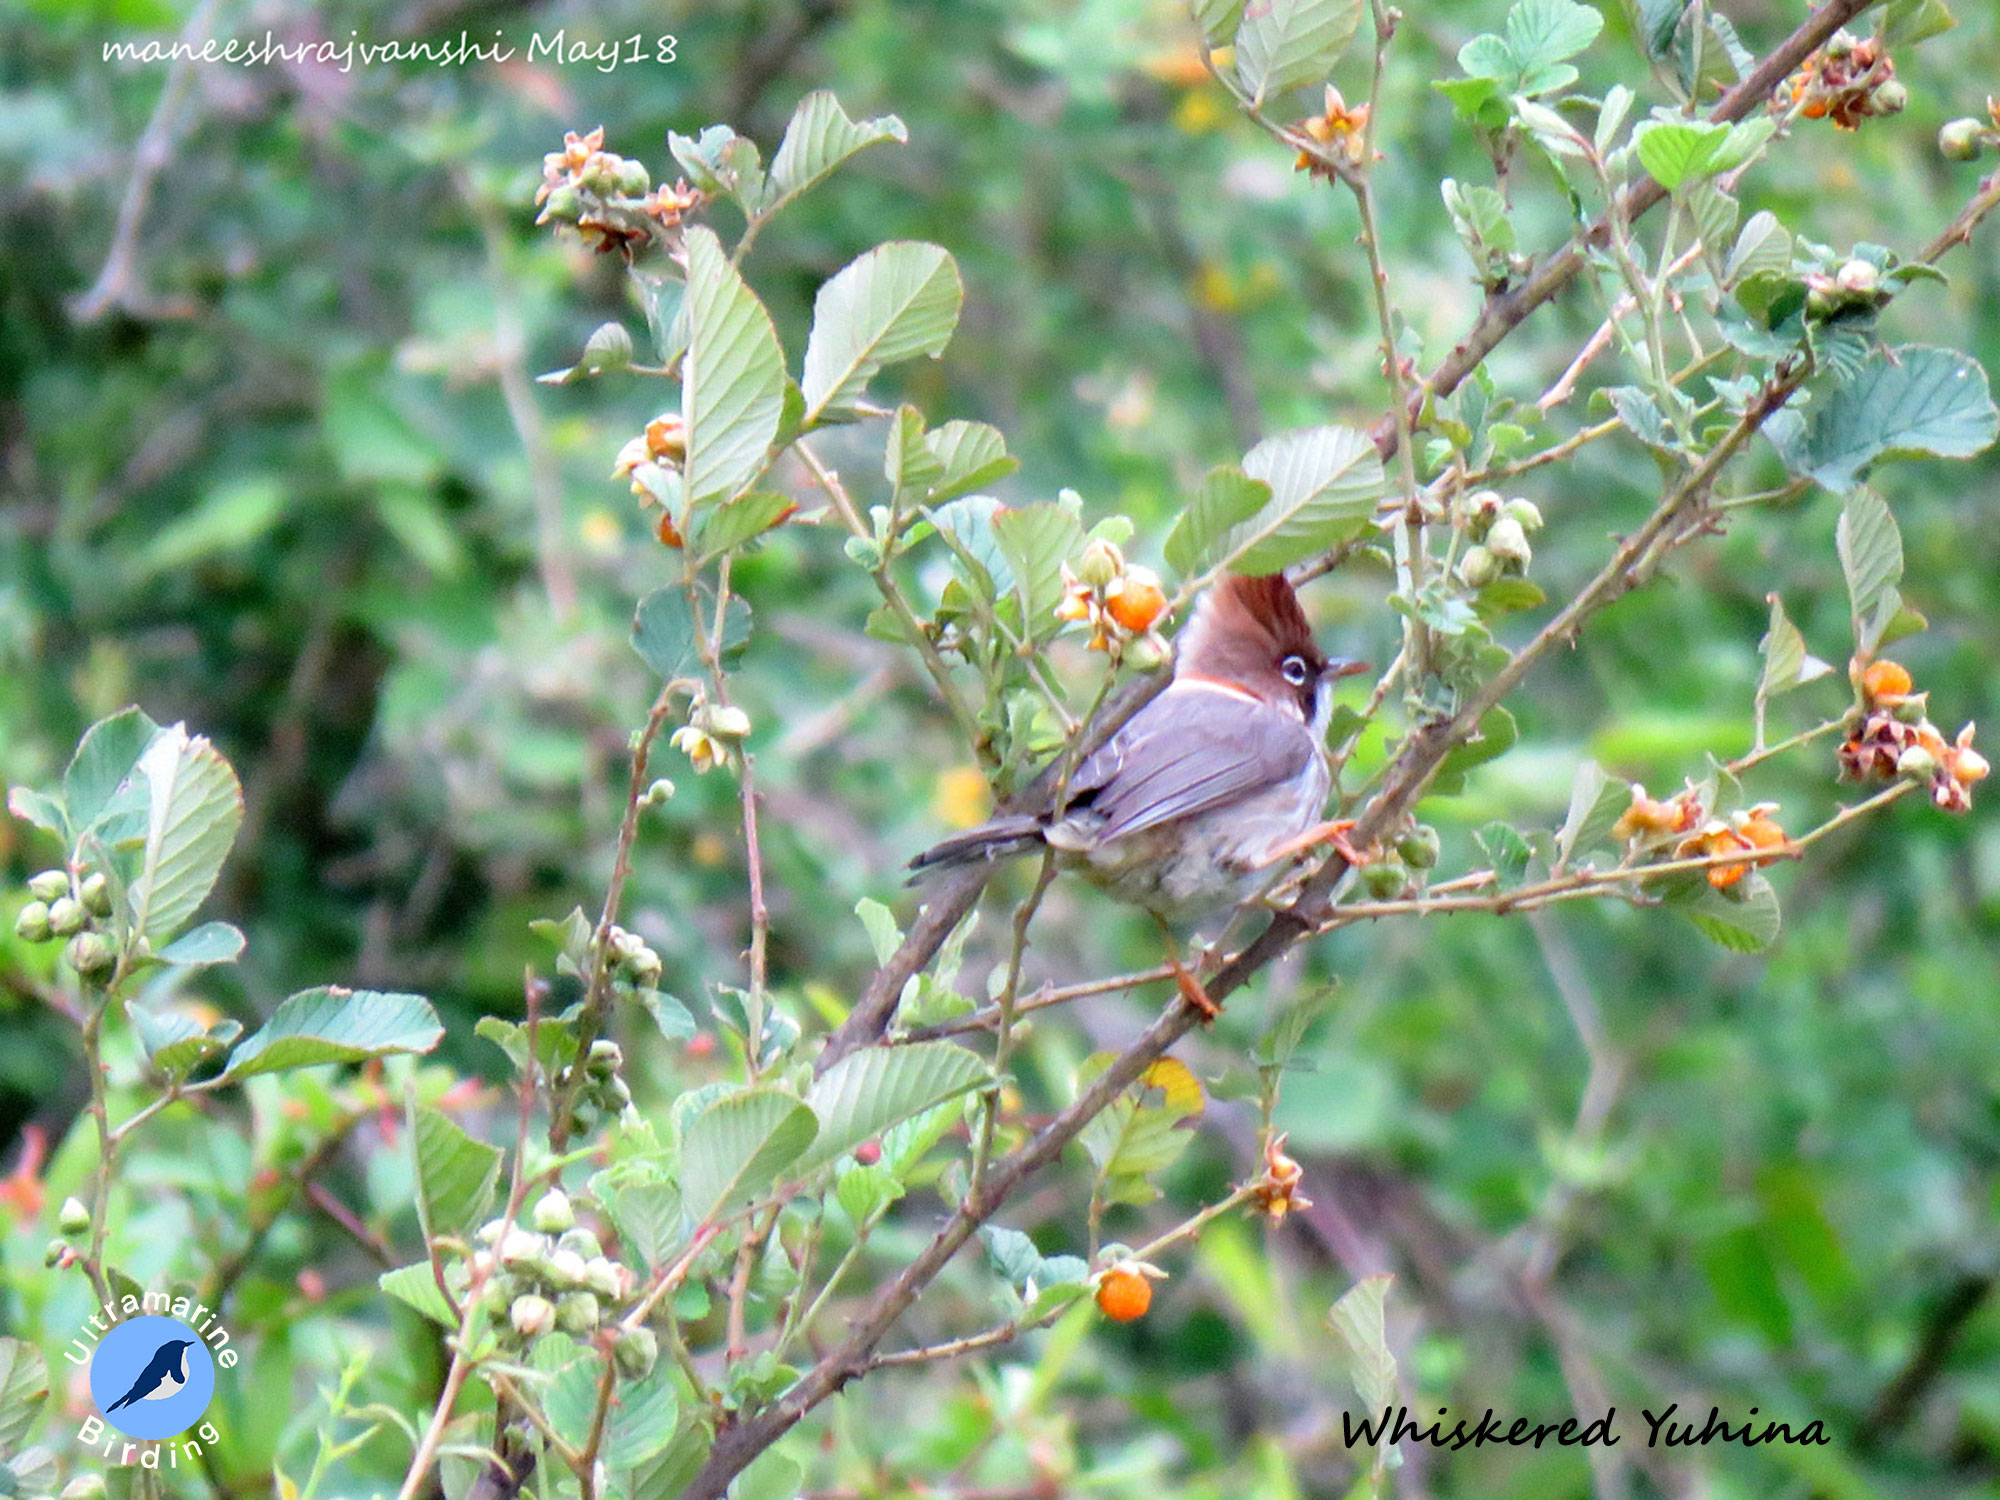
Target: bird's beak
1341, 667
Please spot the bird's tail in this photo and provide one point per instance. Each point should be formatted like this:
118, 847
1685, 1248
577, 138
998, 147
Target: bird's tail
126, 1401
995, 840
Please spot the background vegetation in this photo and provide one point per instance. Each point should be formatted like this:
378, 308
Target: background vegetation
274, 465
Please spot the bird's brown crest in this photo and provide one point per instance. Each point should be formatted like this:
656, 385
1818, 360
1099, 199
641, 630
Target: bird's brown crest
1241, 632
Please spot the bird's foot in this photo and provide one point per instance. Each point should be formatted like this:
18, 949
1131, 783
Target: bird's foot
1192, 991
1333, 834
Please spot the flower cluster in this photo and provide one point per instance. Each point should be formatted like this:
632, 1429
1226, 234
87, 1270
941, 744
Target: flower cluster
1276, 1192
650, 461
1684, 825
709, 732
1339, 133
1846, 81
1121, 601
1890, 735
1499, 530
64, 906
555, 1275
609, 198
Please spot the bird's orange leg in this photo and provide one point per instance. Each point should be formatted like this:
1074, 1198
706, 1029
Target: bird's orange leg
1333, 833
1186, 980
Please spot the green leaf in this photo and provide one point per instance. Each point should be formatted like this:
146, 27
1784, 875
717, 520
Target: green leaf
735, 1149
1596, 801
774, 1475
1356, 1320
1036, 540
1014, 1257
819, 138
1218, 20
40, 809
176, 1043
1227, 498
1324, 483
973, 456
663, 631
416, 1286
883, 933
335, 1025
733, 379
1658, 20
676, 1467
1745, 919
909, 464
1143, 1131
210, 943
24, 1386
193, 808
105, 757
1507, 849
1544, 32
1787, 664
1495, 736
1871, 558
1906, 22
455, 1174
863, 1192
1283, 43
230, 518
897, 301
867, 1092
647, 1210
1675, 151
1764, 247
1904, 401
737, 521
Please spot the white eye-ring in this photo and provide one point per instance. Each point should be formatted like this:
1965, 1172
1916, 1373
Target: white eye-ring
1294, 670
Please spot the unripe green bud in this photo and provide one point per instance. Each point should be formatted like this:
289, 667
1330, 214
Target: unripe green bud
1508, 543
32, 925
67, 916
582, 1241
53, 1256
1145, 652
566, 1269
1101, 562
603, 1277
89, 953
96, 894
532, 1316
1889, 98
563, 205
1478, 567
1962, 140
657, 793
577, 1312
636, 1352
633, 179
1419, 847
553, 1214
1524, 513
1475, 512
605, 1057
1385, 879
726, 721
1859, 277
1917, 763
521, 1248
73, 1217
49, 885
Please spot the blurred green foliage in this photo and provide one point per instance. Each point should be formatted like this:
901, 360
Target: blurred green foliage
292, 485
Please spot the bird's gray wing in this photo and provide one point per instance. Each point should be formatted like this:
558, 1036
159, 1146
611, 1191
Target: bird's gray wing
1187, 751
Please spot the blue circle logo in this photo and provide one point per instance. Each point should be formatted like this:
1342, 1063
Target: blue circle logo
152, 1377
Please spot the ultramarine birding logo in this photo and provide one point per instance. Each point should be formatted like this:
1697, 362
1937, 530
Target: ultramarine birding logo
152, 1377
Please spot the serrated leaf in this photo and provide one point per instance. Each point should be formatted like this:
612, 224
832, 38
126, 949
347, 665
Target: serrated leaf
734, 1149
24, 1386
1357, 1322
884, 936
663, 631
416, 1286
1324, 481
455, 1173
210, 943
1596, 801
1506, 849
1275, 1047
1496, 735
864, 1192
1871, 558
40, 809
1283, 43
1907, 22
973, 455
335, 1025
1227, 499
107, 754
740, 520
819, 138
1910, 400
1218, 20
909, 464
647, 1210
1764, 247
1675, 151
1787, 663
1540, 32
193, 808
895, 302
868, 1092
733, 377
1140, 1133
177, 1043
1658, 20
1746, 919
1036, 540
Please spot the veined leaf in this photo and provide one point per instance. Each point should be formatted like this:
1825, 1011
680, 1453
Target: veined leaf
1227, 499
735, 1149
1909, 400
1675, 151
1324, 484
1595, 803
1787, 664
24, 1386
416, 1286
1141, 1133
733, 379
1036, 540
1283, 43
193, 808
741, 520
210, 943
1356, 1320
177, 1043
1871, 558
973, 455
867, 1092
1746, 921
106, 756
455, 1173
897, 301
334, 1025
819, 138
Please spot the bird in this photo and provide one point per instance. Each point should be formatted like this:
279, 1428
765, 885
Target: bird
165, 1374
1193, 805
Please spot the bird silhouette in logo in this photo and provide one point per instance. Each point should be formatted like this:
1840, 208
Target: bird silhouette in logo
165, 1373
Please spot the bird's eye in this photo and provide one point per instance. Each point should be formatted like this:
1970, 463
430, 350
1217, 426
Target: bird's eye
1294, 670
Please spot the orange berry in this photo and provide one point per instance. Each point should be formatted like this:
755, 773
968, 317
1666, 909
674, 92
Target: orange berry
1816, 110
1123, 1295
1761, 833
1886, 682
668, 532
1136, 601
